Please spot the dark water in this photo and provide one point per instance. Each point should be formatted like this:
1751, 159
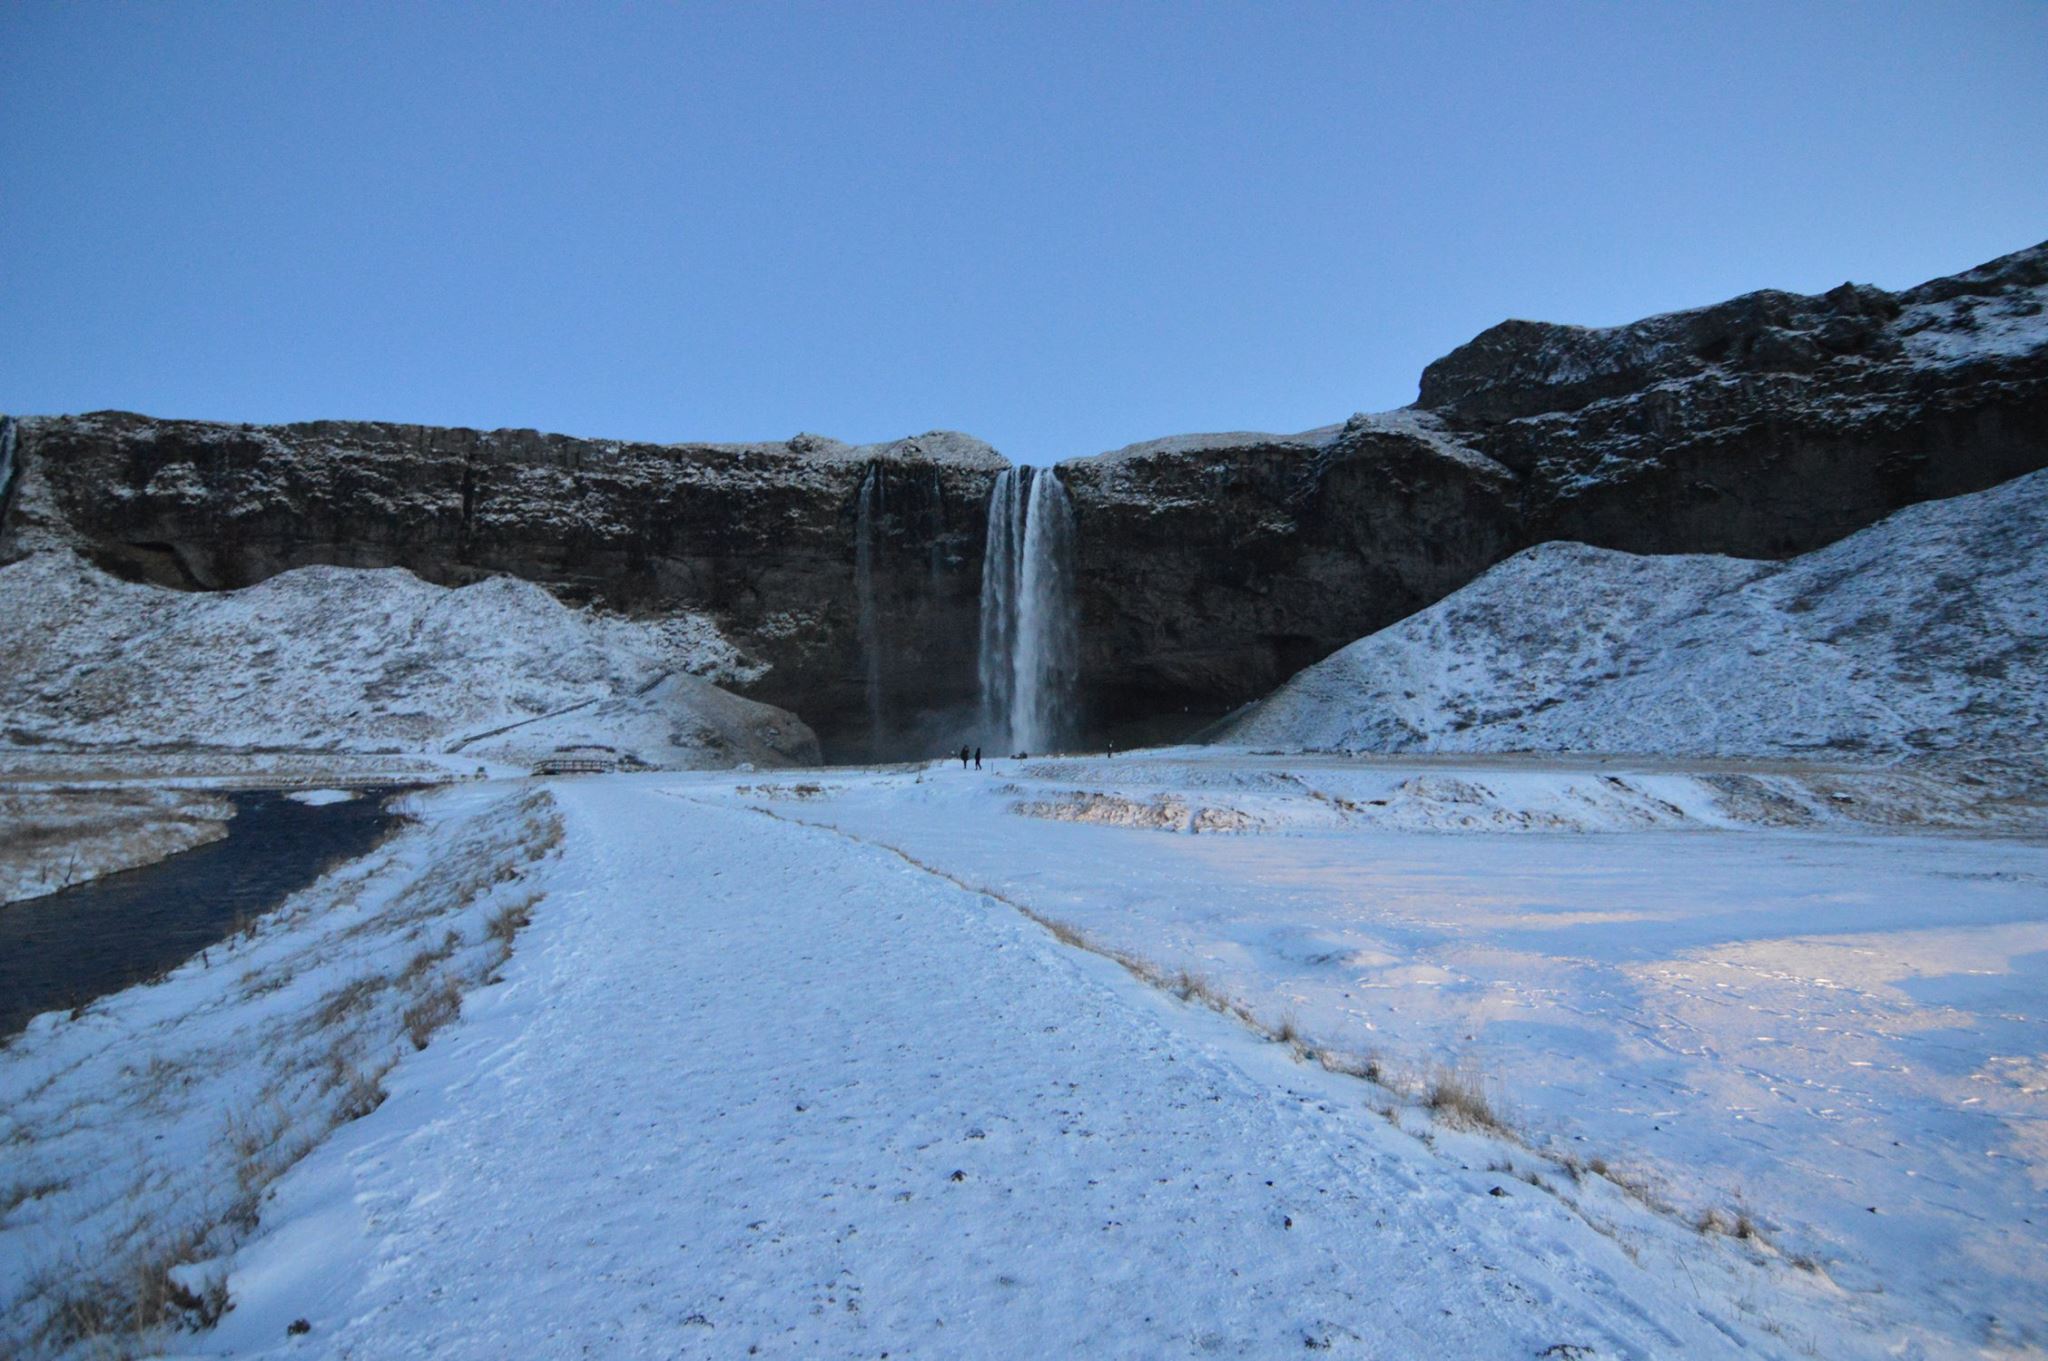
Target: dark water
64, 949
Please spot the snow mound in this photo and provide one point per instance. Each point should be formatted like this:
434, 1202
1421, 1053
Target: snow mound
1927, 632
351, 660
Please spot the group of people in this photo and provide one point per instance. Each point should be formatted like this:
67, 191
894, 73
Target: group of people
973, 754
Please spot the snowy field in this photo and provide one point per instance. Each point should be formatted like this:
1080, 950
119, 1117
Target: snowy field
1491, 1059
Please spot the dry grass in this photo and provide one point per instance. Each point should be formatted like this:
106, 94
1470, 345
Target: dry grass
1193, 987
1364, 1067
348, 999
1458, 1097
97, 1310
510, 920
361, 1093
1065, 934
1737, 1225
431, 1010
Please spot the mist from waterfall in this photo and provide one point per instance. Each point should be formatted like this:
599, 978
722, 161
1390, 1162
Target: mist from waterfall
870, 506
1030, 639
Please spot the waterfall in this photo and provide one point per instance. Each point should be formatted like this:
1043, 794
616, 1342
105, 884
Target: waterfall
999, 606
1048, 649
6, 458
1030, 644
870, 630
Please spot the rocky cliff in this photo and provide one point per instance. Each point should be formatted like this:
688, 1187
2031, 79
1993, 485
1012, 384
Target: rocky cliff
1216, 566
762, 537
1211, 567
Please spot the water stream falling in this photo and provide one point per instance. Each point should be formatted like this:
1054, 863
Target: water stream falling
6, 458
999, 606
1030, 640
864, 592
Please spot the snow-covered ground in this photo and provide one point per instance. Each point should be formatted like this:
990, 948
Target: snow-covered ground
1738, 996
1926, 632
783, 1065
333, 659
138, 1136
55, 838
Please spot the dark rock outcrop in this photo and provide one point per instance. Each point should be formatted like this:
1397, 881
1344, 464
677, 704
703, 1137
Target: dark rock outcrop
1211, 567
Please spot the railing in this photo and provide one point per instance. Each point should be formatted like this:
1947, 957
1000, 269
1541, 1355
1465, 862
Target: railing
575, 765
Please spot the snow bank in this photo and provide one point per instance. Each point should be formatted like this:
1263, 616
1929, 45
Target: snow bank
1925, 633
60, 837
348, 660
143, 1131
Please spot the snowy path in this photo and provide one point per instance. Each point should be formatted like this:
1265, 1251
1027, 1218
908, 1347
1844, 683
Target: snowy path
751, 1084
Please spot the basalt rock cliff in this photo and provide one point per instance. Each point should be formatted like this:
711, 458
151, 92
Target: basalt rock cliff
761, 537
1210, 567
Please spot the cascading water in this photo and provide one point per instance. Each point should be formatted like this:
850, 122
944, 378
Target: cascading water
1048, 641
1030, 643
999, 606
870, 507
6, 458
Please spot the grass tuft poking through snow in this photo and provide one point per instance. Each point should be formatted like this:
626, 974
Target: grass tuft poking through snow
1458, 1096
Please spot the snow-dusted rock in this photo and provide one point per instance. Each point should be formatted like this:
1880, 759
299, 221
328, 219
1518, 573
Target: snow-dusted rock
1212, 567
1925, 633
759, 536
352, 660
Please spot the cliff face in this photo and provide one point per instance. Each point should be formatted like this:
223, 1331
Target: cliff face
761, 537
1770, 425
1210, 568
1764, 426
1215, 567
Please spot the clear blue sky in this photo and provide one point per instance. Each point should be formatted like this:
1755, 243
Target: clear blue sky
1060, 227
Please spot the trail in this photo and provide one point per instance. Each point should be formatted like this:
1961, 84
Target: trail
750, 1084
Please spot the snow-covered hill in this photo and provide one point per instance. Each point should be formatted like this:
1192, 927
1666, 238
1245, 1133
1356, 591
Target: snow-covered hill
348, 660
1927, 632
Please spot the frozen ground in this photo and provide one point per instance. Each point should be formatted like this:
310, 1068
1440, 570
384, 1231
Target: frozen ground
51, 838
1748, 992
1926, 632
784, 1063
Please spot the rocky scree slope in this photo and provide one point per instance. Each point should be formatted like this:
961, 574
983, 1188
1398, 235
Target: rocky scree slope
1924, 634
1211, 567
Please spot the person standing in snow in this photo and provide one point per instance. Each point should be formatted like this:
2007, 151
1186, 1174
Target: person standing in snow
963, 758
977, 758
